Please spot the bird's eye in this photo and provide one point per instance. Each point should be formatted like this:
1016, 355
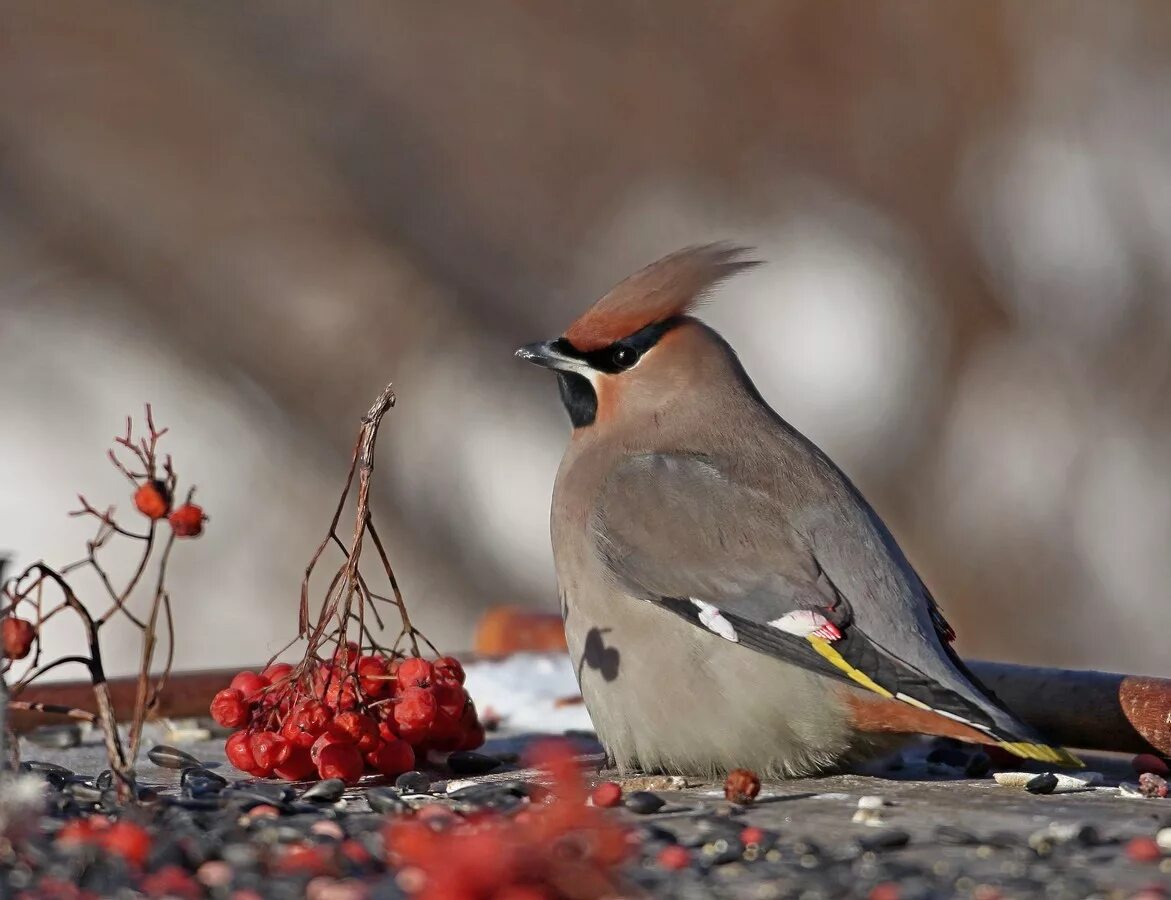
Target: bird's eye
624, 357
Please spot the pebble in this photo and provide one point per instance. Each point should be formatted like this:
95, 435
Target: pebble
469, 762
643, 802
1042, 784
329, 790
386, 801
214, 873
327, 828
871, 801
1152, 785
171, 757
887, 839
1163, 839
413, 782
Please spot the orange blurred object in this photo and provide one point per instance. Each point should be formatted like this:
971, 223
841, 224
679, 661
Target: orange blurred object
512, 629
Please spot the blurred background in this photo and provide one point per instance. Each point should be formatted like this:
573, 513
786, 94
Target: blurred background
255, 215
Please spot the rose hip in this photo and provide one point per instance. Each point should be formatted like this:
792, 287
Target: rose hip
340, 761
17, 637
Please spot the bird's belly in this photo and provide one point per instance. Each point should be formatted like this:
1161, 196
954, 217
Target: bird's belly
667, 696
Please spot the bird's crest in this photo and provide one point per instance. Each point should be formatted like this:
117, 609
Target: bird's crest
667, 288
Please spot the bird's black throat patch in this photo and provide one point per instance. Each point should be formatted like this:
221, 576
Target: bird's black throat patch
579, 397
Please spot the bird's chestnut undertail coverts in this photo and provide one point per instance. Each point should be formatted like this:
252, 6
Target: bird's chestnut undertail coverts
711, 557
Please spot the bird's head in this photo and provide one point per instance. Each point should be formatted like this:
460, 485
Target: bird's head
638, 342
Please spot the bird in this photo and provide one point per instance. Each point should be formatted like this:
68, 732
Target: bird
725, 587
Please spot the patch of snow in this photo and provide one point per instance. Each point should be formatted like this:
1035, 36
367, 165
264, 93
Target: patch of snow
523, 690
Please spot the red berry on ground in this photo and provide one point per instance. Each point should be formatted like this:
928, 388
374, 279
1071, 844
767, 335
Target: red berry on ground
17, 637
741, 786
886, 890
269, 750
1143, 850
340, 761
172, 883
392, 758
187, 520
153, 499
752, 835
607, 794
674, 857
229, 709
415, 672
248, 683
130, 841
450, 667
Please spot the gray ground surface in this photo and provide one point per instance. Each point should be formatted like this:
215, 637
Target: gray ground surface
818, 812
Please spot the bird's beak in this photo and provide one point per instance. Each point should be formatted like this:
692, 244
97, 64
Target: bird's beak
546, 354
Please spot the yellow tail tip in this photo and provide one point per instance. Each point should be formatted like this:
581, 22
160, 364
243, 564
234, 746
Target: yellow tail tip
1042, 753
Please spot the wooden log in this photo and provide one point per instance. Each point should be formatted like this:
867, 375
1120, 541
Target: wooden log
1086, 710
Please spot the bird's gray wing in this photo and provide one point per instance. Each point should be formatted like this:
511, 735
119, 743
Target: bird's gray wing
681, 531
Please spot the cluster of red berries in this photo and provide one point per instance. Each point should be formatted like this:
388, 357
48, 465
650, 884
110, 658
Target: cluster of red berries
355, 713
558, 847
153, 500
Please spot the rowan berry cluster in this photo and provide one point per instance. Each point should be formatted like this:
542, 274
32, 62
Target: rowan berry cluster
357, 712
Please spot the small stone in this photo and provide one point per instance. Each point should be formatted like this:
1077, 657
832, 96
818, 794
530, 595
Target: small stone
105, 779
871, 801
469, 762
171, 757
327, 828
951, 834
386, 801
329, 790
644, 802
722, 851
886, 839
84, 792
867, 817
1130, 791
56, 737
214, 873
413, 782
1042, 784
1163, 839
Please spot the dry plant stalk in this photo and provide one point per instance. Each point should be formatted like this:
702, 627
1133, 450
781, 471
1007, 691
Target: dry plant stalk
350, 606
40, 593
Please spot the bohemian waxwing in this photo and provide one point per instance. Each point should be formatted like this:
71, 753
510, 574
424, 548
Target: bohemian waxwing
725, 587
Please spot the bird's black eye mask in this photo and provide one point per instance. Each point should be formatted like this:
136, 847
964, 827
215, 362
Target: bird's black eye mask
578, 395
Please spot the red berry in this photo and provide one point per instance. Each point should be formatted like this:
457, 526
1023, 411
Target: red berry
752, 835
130, 841
346, 657
450, 667
269, 750
415, 672
357, 729
306, 723
414, 714
674, 857
153, 499
276, 672
324, 741
373, 678
1148, 762
1143, 850
17, 637
889, 890
173, 883
393, 757
741, 786
249, 684
238, 749
297, 767
607, 794
229, 709
340, 761
474, 738
187, 520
